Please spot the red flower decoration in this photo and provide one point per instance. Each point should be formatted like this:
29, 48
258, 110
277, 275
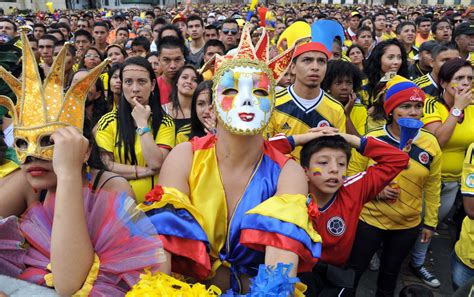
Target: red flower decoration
155, 195
313, 210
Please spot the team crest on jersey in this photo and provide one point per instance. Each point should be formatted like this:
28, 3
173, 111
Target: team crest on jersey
323, 123
424, 158
470, 180
336, 226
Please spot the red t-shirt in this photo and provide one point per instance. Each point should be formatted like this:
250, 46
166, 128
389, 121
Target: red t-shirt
165, 90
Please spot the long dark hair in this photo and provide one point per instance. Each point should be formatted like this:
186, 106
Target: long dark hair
3, 148
94, 160
110, 95
126, 128
174, 91
197, 128
373, 65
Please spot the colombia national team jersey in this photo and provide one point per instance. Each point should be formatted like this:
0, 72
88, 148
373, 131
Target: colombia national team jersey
106, 138
291, 117
428, 85
436, 110
420, 181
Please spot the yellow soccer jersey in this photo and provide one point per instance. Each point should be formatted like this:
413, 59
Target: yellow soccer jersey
470, 58
183, 134
413, 52
467, 179
291, 117
359, 118
387, 36
463, 135
421, 180
104, 77
465, 245
106, 138
428, 85
364, 92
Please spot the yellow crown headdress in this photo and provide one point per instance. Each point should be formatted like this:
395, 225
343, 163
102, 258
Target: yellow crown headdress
42, 108
247, 54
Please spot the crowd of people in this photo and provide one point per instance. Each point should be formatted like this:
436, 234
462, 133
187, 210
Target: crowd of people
216, 138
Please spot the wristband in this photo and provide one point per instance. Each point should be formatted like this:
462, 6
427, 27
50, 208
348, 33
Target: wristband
142, 131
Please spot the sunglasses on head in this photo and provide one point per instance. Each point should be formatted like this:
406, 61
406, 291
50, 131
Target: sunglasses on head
231, 31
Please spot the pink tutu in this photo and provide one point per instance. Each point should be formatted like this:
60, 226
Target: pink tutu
124, 240
12, 251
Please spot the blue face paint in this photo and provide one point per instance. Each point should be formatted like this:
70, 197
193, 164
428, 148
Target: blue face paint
227, 80
265, 105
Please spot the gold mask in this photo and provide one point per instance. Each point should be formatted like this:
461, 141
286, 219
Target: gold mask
42, 108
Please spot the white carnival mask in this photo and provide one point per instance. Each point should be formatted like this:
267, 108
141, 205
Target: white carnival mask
244, 100
244, 83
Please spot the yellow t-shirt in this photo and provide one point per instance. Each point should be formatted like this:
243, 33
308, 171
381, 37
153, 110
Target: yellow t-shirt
463, 135
421, 180
106, 138
291, 117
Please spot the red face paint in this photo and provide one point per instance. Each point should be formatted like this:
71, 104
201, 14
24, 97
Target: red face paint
227, 103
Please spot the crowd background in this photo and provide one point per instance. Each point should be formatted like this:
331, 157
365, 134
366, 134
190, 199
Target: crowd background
171, 102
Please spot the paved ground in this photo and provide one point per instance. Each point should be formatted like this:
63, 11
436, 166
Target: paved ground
438, 261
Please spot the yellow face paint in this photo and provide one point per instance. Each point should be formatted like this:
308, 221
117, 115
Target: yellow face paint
316, 171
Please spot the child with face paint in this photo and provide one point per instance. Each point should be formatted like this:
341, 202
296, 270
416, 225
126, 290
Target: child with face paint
335, 200
230, 202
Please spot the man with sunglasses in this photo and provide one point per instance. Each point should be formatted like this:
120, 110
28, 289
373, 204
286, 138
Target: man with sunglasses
229, 34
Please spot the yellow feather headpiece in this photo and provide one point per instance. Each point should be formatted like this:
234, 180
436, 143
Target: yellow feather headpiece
42, 108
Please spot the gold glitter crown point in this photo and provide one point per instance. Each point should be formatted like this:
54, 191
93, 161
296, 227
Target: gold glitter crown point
41, 104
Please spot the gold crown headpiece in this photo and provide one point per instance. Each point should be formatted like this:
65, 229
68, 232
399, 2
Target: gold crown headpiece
42, 108
248, 54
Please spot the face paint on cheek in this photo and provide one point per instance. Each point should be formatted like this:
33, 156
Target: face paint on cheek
227, 103
316, 171
265, 105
